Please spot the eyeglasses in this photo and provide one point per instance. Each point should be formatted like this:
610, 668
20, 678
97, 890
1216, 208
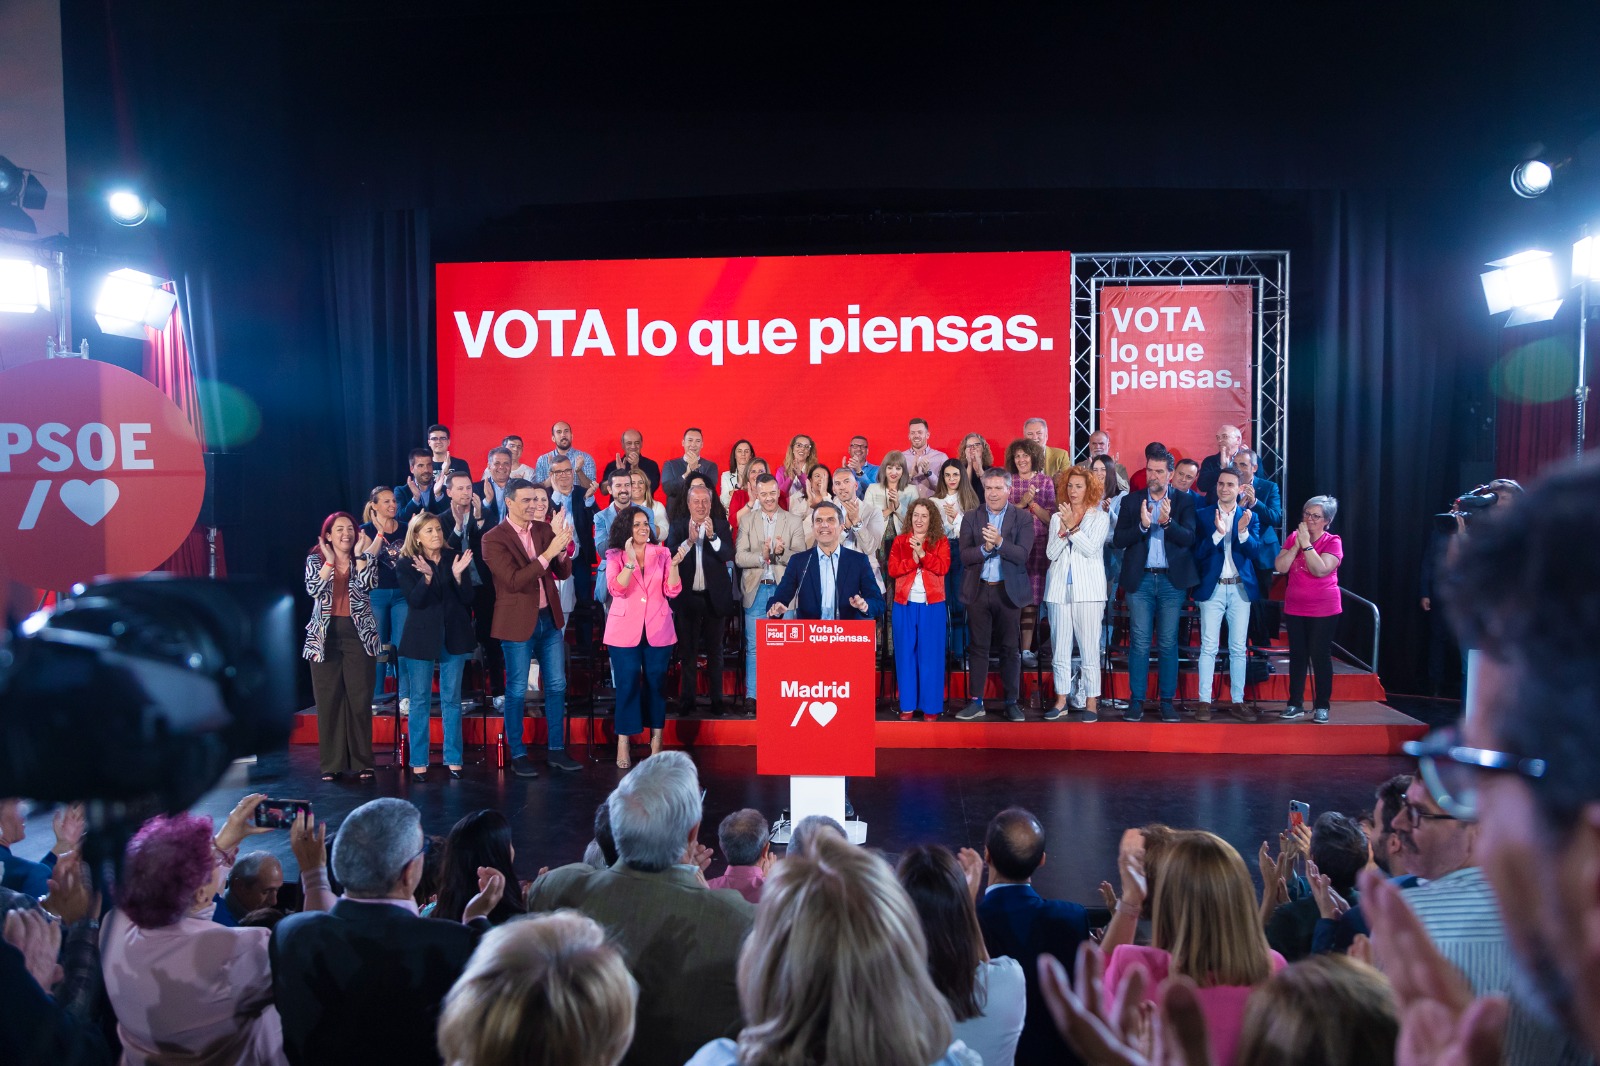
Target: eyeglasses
1450, 770
1312, 516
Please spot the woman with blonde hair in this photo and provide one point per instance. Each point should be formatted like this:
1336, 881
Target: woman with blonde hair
834, 925
1204, 926
1329, 1010
798, 460
541, 991
1075, 588
976, 457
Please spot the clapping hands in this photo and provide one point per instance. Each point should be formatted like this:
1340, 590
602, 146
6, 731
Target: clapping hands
463, 561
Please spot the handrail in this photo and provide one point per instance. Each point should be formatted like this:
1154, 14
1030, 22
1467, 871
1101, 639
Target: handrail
1377, 626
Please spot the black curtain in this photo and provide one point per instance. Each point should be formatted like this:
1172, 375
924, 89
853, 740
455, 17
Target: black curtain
379, 300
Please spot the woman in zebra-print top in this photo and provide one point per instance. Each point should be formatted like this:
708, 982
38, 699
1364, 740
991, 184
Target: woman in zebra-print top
342, 643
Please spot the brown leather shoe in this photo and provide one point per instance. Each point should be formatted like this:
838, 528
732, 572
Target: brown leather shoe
1202, 712
1244, 712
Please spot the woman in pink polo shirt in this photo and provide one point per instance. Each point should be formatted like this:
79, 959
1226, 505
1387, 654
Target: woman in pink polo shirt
1311, 605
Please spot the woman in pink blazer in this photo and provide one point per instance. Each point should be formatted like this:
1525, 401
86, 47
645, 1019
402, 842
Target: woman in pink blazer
641, 577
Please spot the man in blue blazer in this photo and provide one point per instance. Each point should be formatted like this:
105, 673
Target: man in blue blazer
1263, 498
422, 491
1018, 922
1227, 551
1156, 531
828, 581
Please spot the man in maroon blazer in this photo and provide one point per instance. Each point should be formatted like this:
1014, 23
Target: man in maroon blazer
527, 558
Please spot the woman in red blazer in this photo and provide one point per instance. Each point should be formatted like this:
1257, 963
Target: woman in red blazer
641, 577
918, 561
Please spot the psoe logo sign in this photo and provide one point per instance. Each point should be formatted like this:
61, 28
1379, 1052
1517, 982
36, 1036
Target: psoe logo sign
785, 633
822, 711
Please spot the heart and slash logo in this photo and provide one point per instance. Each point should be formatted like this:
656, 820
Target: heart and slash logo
821, 711
90, 501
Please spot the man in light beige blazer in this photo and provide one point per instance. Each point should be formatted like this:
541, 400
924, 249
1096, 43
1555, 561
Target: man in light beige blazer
768, 538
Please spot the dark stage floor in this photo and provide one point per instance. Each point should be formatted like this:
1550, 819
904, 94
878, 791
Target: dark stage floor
1086, 799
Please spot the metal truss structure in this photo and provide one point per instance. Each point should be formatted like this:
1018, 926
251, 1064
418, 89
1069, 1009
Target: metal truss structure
1268, 275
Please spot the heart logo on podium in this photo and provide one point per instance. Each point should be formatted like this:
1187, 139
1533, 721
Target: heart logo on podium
90, 501
823, 712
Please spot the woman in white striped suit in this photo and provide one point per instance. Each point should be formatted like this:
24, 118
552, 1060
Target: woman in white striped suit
1075, 587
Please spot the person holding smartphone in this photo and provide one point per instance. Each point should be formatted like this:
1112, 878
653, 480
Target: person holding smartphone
342, 644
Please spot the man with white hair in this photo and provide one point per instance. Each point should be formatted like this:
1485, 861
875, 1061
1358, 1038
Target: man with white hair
1056, 460
1229, 440
680, 938
363, 982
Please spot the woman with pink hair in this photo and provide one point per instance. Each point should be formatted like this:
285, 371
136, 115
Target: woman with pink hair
184, 988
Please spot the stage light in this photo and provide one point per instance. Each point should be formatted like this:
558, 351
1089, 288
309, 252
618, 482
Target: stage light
1585, 260
128, 208
24, 287
1531, 179
130, 300
20, 192
1524, 280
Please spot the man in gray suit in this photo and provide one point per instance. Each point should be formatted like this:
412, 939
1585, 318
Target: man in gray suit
680, 938
995, 541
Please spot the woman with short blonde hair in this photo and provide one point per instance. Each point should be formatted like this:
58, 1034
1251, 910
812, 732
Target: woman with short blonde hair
834, 922
1204, 926
1328, 1009
798, 460
541, 991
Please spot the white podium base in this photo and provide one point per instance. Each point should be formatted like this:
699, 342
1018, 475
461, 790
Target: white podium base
819, 795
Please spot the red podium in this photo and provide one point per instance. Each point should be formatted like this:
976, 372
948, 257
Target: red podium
815, 709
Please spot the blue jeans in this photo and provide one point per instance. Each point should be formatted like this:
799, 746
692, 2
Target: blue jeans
1227, 601
546, 643
389, 610
1157, 601
919, 632
753, 615
640, 705
418, 674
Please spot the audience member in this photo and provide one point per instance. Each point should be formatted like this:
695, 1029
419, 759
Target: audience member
1100, 444
380, 1002
1075, 590
639, 493
975, 458
183, 987
439, 630
42, 1020
856, 459
480, 839
922, 459
641, 577
423, 491
918, 563
675, 473
1311, 605
768, 539
444, 464
1156, 530
342, 645
1388, 854
817, 487
24, 875
987, 996
492, 489
632, 458
1327, 1011
955, 497
621, 488
1229, 441
527, 559
1204, 928
583, 468
1338, 852
1019, 923
836, 971
1227, 550
829, 580
512, 442
744, 498
747, 846
545, 991
1056, 460
996, 542
680, 941
701, 610
734, 478
804, 833
1183, 478
252, 885
798, 459
426, 894
892, 494
388, 535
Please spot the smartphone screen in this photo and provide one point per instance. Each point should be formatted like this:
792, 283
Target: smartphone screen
280, 813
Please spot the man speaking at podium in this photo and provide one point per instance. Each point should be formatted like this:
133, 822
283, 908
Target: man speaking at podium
829, 581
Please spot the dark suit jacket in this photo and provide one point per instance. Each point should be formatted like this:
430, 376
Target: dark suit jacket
25, 875
680, 940
492, 512
1178, 540
409, 506
715, 564
440, 610
583, 509
651, 468
854, 578
1018, 922
364, 982
1269, 503
516, 606
1209, 556
1016, 541
475, 529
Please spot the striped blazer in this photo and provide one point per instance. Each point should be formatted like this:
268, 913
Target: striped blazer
321, 591
1082, 554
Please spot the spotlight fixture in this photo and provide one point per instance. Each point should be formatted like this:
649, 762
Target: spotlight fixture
1531, 178
130, 300
1524, 284
1585, 260
130, 208
20, 192
24, 287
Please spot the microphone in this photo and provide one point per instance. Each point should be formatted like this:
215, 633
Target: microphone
811, 554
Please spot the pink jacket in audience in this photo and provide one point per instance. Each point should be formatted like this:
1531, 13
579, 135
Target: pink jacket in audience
1222, 1005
